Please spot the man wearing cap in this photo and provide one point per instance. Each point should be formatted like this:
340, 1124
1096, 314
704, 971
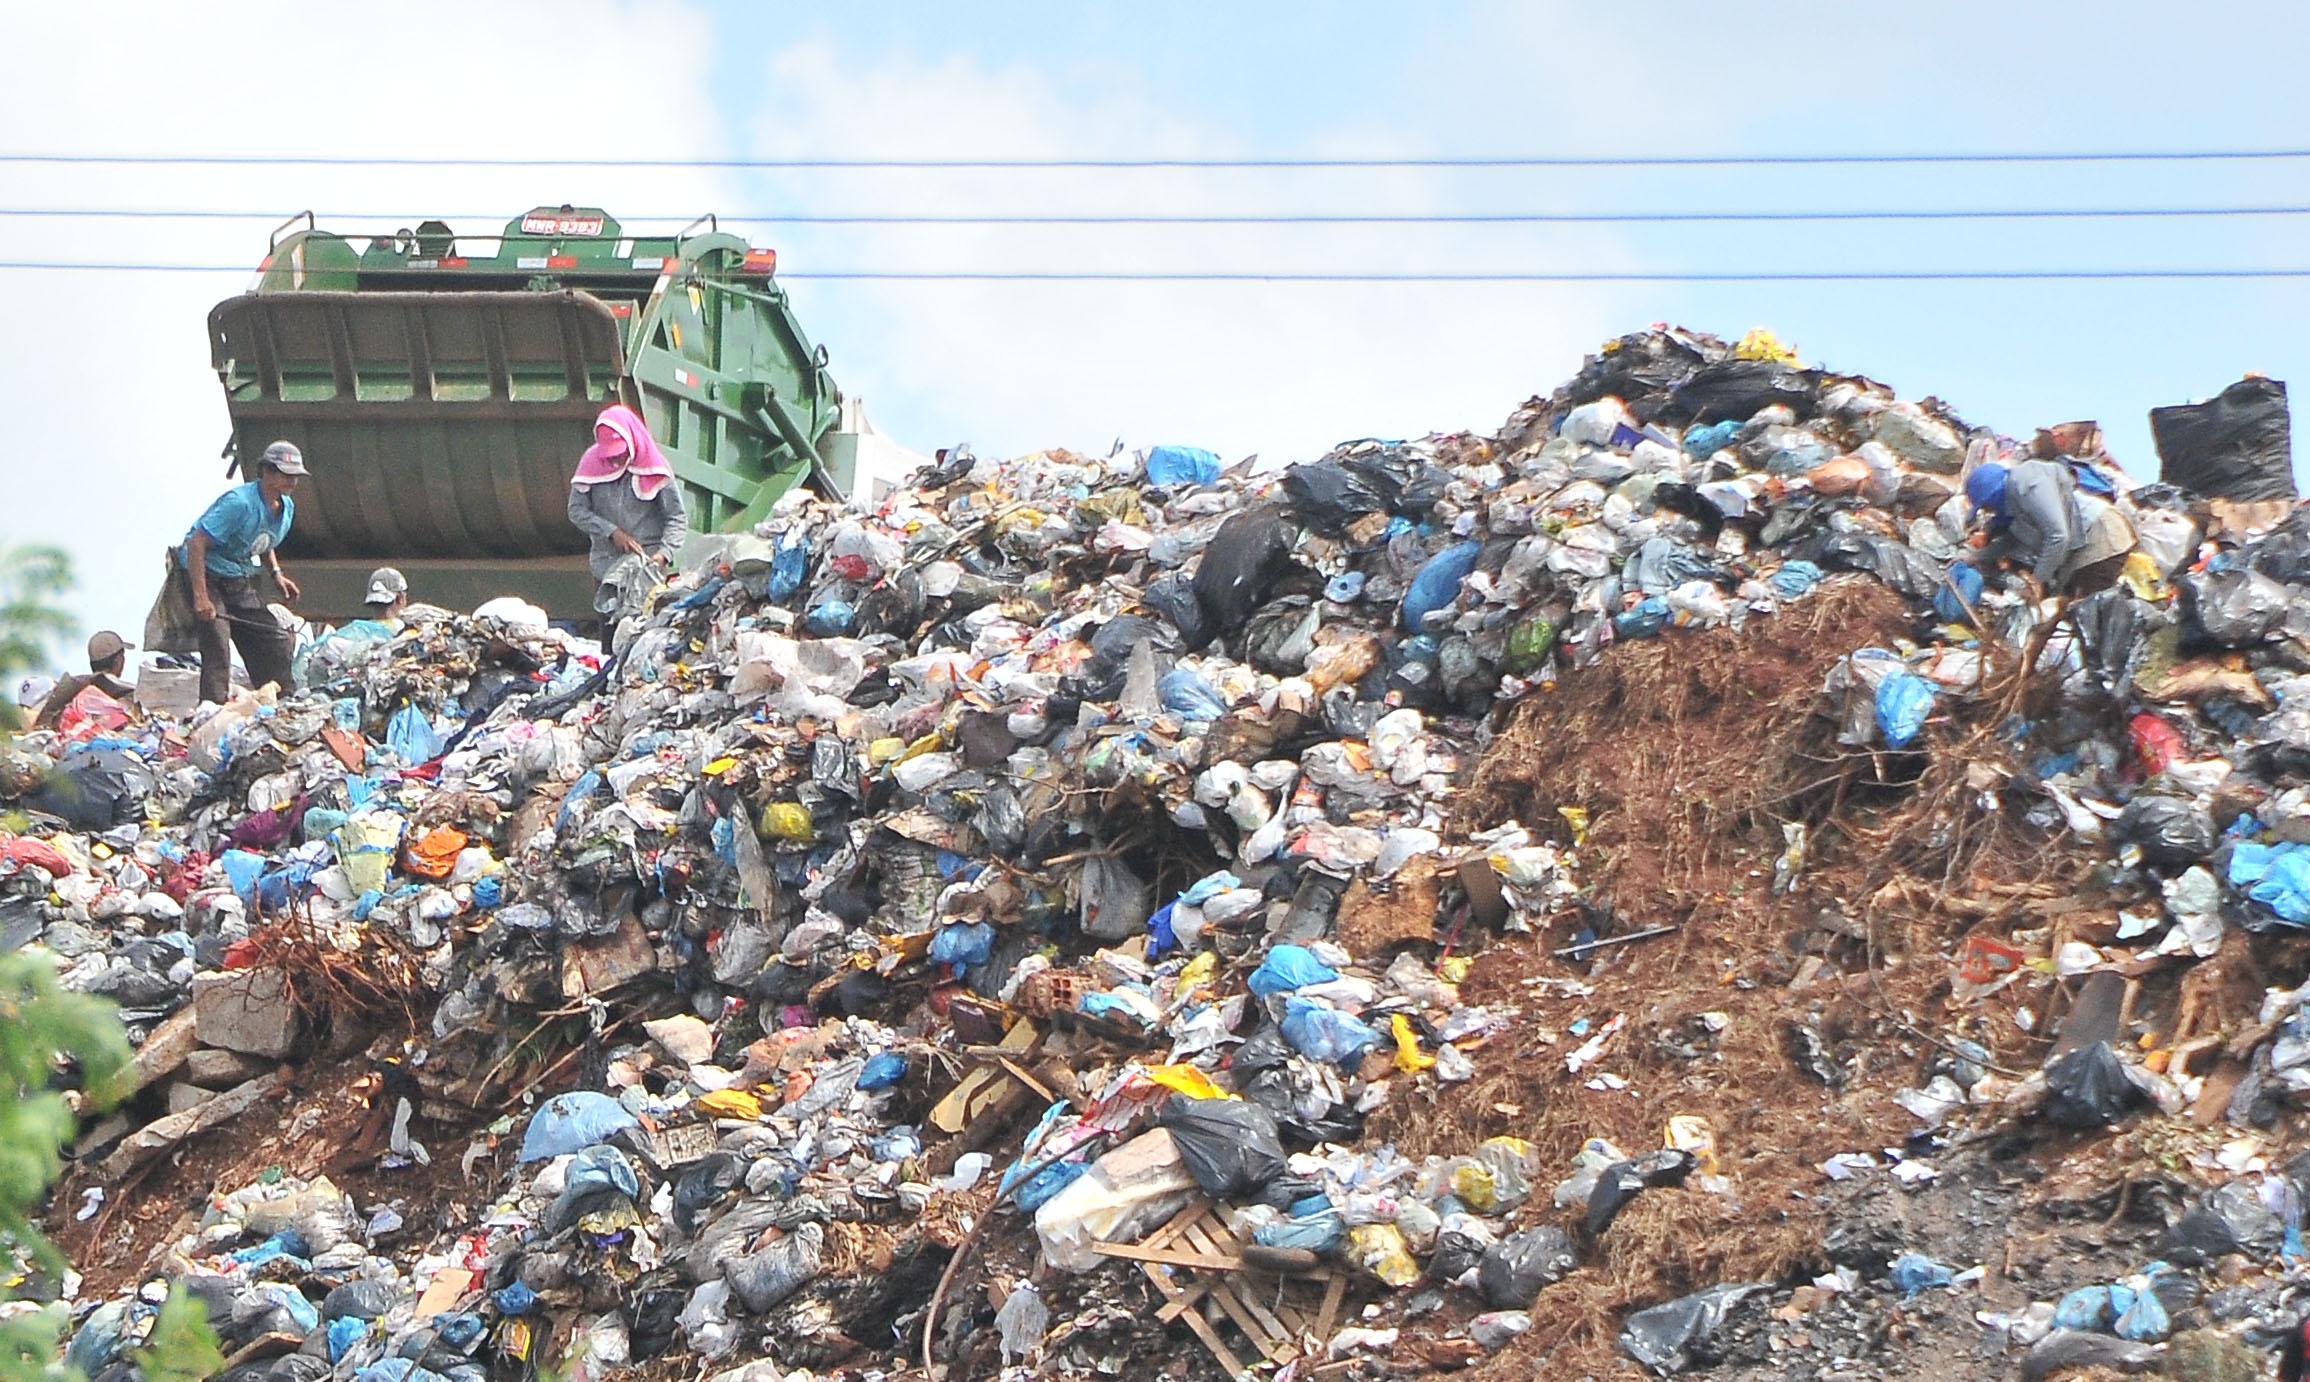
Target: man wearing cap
238, 539
107, 659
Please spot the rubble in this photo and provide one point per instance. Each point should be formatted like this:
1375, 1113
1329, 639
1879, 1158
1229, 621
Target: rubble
1086, 905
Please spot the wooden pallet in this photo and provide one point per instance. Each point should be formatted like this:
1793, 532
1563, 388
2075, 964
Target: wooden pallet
1195, 1261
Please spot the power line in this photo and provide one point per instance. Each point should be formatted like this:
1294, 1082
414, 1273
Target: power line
1088, 164
1246, 219
1382, 276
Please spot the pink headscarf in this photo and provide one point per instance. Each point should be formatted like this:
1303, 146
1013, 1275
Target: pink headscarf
634, 454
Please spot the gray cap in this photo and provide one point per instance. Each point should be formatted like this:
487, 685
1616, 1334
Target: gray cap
385, 586
284, 457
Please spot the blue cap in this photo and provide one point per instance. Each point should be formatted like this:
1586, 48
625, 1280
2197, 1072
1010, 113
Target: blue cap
1986, 486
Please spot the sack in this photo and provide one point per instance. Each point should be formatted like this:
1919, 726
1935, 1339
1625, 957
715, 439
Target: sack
2236, 445
171, 626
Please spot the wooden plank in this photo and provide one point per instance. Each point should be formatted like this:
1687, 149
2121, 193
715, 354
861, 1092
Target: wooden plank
1240, 1288
1211, 1341
1332, 1295
1169, 1257
1225, 1300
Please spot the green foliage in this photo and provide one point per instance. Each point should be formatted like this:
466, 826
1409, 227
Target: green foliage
31, 579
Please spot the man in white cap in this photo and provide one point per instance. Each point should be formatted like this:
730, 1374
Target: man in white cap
238, 538
381, 607
388, 596
107, 659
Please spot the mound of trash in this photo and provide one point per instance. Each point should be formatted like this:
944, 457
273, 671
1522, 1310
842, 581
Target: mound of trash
1626, 892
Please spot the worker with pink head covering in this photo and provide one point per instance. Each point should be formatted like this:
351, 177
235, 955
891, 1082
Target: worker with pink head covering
623, 497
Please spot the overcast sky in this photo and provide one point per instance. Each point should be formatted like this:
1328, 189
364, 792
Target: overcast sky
119, 421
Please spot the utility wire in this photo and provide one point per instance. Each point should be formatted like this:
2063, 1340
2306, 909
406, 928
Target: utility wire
1194, 276
1083, 164
1245, 219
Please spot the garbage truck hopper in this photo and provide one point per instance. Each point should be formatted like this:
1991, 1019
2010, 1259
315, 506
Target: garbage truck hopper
441, 387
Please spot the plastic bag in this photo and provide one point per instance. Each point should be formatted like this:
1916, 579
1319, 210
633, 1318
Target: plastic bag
1381, 1250
1189, 696
95, 789
1621, 1181
1326, 1034
762, 1279
1327, 496
1288, 967
1173, 597
1024, 1319
1231, 1146
1125, 1193
1181, 465
2171, 831
1115, 901
1515, 1268
2233, 608
570, 1123
1246, 558
2236, 445
1438, 583
2230, 1219
2089, 1088
412, 737
1904, 700
1913, 1272
1671, 1335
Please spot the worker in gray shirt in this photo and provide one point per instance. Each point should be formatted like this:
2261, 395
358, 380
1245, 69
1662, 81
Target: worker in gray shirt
624, 499
2072, 543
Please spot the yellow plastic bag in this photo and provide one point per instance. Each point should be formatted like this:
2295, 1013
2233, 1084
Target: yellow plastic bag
1762, 344
731, 1103
1198, 973
1475, 1187
1187, 1080
789, 821
365, 846
1380, 1249
2141, 577
1409, 1057
881, 751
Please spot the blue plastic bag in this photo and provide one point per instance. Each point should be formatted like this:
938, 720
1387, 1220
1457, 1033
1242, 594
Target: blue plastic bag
1326, 1034
1949, 604
2087, 1308
1181, 465
1161, 939
488, 892
1046, 1183
1914, 1272
1189, 697
410, 735
588, 783
882, 1070
1316, 1232
1903, 701
788, 565
964, 943
1645, 621
570, 1123
242, 870
344, 1332
1712, 438
1793, 580
516, 1299
830, 619
1438, 583
2285, 886
1344, 588
1289, 967
2145, 1320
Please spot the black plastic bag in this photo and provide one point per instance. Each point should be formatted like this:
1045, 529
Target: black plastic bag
1327, 496
364, 1299
1231, 1146
1247, 556
1173, 597
1405, 484
1101, 676
2229, 1219
705, 1185
2089, 1088
1733, 389
1516, 1267
2172, 831
94, 790
1621, 1181
1670, 1336
2237, 445
1456, 1255
2233, 608
2112, 625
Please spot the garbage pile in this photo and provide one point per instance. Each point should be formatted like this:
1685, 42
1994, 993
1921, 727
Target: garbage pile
1065, 855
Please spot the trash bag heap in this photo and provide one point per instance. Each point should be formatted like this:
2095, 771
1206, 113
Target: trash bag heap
973, 869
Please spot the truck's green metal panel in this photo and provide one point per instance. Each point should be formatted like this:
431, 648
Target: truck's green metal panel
442, 387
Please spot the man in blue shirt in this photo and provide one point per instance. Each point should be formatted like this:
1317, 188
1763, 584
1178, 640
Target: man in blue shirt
237, 540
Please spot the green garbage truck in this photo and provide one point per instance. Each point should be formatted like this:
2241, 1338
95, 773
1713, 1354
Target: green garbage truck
442, 385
